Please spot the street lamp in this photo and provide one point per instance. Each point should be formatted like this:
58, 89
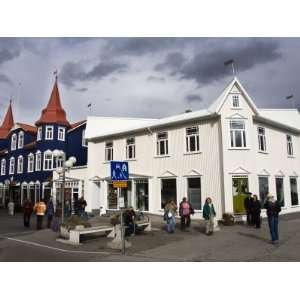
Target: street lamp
61, 170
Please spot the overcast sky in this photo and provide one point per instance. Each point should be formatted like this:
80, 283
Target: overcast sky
143, 77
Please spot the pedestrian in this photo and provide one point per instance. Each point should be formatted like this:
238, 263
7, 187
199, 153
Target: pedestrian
27, 211
11, 208
255, 211
39, 208
169, 216
273, 209
247, 206
81, 206
185, 211
209, 214
129, 221
49, 212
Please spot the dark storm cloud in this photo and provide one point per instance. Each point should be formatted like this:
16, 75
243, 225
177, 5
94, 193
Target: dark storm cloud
193, 98
10, 48
5, 79
70, 73
173, 62
104, 69
73, 72
208, 66
156, 78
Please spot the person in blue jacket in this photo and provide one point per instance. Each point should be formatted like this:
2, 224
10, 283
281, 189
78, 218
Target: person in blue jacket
209, 214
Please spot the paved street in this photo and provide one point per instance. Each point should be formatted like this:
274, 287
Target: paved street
234, 243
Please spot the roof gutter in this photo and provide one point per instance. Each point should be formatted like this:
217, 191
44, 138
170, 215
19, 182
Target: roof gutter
150, 128
276, 124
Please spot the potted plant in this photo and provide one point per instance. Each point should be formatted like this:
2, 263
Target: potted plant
72, 223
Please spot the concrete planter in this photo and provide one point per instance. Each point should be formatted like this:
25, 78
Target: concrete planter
64, 232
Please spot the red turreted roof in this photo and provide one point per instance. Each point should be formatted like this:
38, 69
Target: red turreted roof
8, 122
53, 113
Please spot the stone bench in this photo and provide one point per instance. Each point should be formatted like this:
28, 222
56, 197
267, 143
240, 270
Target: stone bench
76, 233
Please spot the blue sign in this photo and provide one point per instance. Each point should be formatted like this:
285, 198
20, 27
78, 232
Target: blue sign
119, 170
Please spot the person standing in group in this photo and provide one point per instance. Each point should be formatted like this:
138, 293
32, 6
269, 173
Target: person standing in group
27, 211
185, 211
49, 212
247, 205
39, 208
169, 216
273, 209
209, 214
255, 211
81, 207
11, 208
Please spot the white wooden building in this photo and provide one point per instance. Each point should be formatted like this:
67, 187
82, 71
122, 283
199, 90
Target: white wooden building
222, 152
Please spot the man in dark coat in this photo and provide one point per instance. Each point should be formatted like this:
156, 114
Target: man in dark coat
273, 208
27, 211
255, 211
247, 205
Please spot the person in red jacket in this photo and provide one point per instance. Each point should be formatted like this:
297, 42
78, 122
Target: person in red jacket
27, 211
185, 211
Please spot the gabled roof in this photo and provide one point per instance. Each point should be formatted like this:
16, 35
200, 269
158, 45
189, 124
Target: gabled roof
76, 125
218, 103
8, 122
54, 112
27, 127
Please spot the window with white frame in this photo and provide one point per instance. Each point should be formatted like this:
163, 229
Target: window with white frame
237, 134
48, 161
262, 146
109, 151
14, 142
84, 141
289, 142
21, 140
38, 161
49, 133
162, 147
235, 101
39, 133
192, 139
61, 133
130, 148
30, 167
20, 164
3, 166
59, 162
12, 165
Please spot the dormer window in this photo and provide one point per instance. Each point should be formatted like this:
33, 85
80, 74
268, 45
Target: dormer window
49, 133
12, 165
14, 142
235, 101
61, 134
21, 140
39, 134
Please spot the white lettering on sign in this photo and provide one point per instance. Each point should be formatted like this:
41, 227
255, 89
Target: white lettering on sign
124, 168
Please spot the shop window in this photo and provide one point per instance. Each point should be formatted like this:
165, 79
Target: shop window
280, 190
142, 194
168, 191
294, 191
194, 192
263, 186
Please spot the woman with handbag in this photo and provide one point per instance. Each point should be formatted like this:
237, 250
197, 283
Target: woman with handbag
169, 216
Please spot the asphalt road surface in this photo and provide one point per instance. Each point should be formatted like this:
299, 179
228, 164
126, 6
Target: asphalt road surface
234, 243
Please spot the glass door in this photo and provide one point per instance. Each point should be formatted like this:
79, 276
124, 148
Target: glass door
240, 189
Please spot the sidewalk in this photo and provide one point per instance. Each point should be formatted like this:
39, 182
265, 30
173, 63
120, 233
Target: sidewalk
232, 243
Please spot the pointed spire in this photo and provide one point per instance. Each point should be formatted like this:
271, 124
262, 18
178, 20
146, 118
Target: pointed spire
54, 112
8, 122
